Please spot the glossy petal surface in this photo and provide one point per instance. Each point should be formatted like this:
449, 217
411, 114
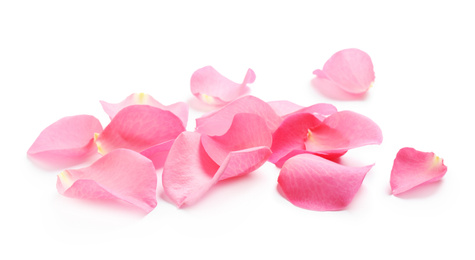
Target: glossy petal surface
350, 69
211, 87
412, 168
70, 138
122, 174
218, 122
314, 183
180, 109
139, 127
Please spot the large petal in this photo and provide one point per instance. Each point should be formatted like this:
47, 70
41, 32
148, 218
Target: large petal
291, 135
121, 174
247, 131
180, 109
139, 127
218, 122
68, 139
314, 183
412, 168
211, 87
350, 69
343, 131
189, 172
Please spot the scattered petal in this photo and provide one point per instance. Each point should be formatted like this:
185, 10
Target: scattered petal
211, 87
158, 153
412, 168
121, 174
139, 127
314, 183
286, 108
349, 69
218, 122
180, 109
70, 138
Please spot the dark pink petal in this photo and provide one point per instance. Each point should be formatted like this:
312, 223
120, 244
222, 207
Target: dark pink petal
247, 131
214, 89
412, 168
158, 153
180, 109
218, 122
292, 134
189, 172
139, 127
314, 183
343, 131
70, 138
121, 174
350, 69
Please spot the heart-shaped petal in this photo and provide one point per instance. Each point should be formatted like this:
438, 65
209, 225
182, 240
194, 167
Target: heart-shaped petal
121, 174
314, 183
412, 168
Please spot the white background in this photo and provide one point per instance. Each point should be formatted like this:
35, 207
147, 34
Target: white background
59, 58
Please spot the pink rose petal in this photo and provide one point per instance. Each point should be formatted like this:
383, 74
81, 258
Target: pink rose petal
218, 122
139, 127
189, 171
413, 168
158, 153
180, 109
68, 139
286, 108
247, 131
314, 183
342, 131
349, 69
121, 174
211, 87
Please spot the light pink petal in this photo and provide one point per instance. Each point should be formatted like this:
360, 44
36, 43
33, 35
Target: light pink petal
247, 131
189, 172
218, 122
412, 168
180, 109
350, 69
121, 174
211, 87
286, 108
314, 183
329, 156
291, 135
139, 127
343, 131
70, 138
158, 153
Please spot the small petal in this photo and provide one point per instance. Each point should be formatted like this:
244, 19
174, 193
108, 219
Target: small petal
121, 174
211, 87
349, 69
342, 131
314, 183
412, 168
180, 109
218, 122
139, 127
70, 138
247, 131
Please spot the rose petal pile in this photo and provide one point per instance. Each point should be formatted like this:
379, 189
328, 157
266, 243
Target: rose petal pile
234, 140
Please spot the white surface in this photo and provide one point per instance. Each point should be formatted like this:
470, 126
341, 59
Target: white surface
59, 58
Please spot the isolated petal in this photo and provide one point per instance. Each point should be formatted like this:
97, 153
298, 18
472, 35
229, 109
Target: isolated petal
139, 127
180, 109
218, 122
247, 131
121, 174
69, 138
350, 69
342, 131
314, 183
211, 87
189, 172
412, 168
